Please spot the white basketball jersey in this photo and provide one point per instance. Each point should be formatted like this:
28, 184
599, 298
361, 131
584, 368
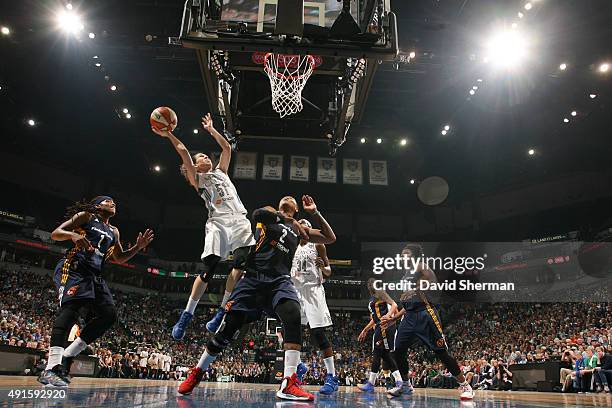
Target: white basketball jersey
304, 270
219, 194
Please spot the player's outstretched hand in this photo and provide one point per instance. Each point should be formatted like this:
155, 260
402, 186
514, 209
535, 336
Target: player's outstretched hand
207, 123
144, 238
362, 335
308, 204
162, 133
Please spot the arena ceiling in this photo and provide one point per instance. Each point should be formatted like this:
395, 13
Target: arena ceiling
52, 78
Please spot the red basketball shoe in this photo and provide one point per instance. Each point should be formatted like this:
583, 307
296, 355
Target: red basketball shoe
192, 381
290, 390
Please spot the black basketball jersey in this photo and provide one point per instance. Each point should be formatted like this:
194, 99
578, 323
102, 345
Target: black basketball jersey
274, 249
102, 238
378, 308
418, 299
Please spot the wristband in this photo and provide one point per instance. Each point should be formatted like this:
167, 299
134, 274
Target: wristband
317, 212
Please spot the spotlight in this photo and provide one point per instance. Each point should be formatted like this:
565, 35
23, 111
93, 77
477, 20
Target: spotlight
531, 152
69, 6
444, 132
507, 48
403, 142
412, 54
97, 64
95, 57
472, 92
92, 35
113, 87
5, 30
563, 66
604, 67
574, 113
447, 128
479, 80
157, 168
125, 110
195, 131
128, 116
520, 15
379, 140
31, 122
69, 22
565, 120
412, 181
528, 6
592, 96
363, 140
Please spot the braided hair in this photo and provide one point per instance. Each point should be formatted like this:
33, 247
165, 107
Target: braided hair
90, 206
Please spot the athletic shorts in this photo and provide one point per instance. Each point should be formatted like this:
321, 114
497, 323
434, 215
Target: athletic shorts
383, 338
423, 326
254, 296
313, 306
74, 282
225, 234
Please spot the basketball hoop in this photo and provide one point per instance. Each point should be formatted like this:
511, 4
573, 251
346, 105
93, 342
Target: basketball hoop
288, 75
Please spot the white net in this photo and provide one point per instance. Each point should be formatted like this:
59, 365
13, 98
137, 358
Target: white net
288, 75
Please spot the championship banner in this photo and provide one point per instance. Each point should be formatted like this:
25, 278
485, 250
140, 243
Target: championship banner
326, 170
272, 167
245, 166
378, 173
352, 172
299, 168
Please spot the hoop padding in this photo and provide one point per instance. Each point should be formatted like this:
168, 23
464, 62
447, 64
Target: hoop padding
288, 75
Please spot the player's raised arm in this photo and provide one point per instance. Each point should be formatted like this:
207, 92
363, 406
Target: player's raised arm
142, 241
66, 232
182, 151
325, 235
226, 148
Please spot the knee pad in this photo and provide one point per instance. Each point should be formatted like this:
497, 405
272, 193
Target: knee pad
109, 314
67, 316
289, 314
228, 332
376, 357
319, 338
240, 257
210, 264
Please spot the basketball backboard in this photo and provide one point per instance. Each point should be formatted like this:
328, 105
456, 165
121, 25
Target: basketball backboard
346, 39
258, 13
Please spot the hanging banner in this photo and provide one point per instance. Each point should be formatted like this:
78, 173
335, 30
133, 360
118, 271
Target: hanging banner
272, 167
352, 172
378, 173
299, 168
245, 166
326, 170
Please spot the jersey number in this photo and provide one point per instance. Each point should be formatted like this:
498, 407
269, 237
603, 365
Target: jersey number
100, 243
282, 238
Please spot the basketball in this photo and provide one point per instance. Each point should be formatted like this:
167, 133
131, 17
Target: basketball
164, 118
